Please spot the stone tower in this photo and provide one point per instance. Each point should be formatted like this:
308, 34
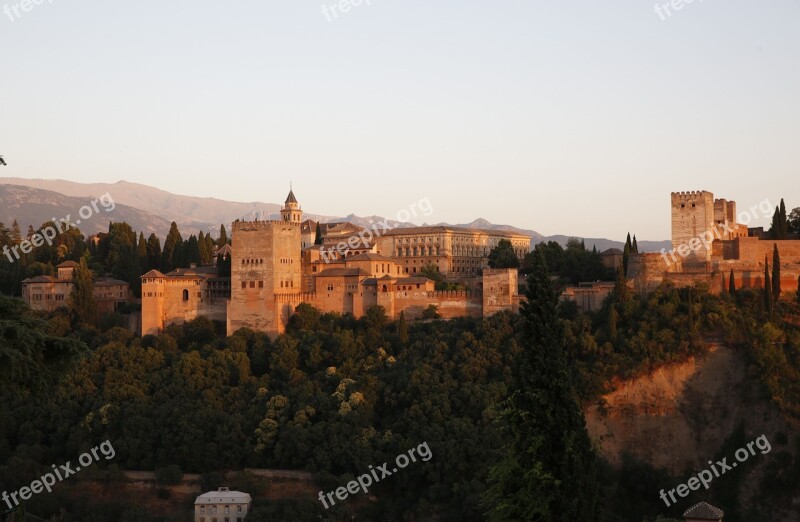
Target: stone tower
265, 262
291, 211
692, 217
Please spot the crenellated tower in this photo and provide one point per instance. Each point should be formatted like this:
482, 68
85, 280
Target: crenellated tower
692, 217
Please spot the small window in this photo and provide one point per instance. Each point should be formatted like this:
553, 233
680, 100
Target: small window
244, 284
261, 284
252, 284
185, 295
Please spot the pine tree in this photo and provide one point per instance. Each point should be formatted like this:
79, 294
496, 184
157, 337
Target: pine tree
223, 237
732, 284
776, 273
83, 307
547, 469
768, 300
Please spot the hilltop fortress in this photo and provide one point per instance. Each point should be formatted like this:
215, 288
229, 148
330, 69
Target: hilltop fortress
708, 243
275, 267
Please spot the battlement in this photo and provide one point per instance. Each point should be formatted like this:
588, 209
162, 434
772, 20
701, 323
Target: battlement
691, 195
250, 226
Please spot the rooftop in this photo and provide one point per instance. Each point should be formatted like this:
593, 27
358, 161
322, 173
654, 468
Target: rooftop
223, 496
704, 511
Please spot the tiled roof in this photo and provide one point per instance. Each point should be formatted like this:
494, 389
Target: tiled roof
45, 279
68, 264
290, 198
223, 497
153, 273
412, 281
704, 511
611, 251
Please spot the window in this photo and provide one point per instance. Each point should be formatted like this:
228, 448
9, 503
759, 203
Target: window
185, 295
261, 284
252, 284
244, 284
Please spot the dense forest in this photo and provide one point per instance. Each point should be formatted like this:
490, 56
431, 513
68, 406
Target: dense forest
335, 395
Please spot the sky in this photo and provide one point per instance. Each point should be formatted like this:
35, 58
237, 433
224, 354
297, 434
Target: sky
565, 117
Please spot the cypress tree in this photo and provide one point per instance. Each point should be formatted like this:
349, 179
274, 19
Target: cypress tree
318, 235
223, 237
626, 253
83, 307
141, 250
798, 289
172, 246
635, 246
402, 330
153, 251
613, 318
776, 273
732, 284
783, 221
547, 469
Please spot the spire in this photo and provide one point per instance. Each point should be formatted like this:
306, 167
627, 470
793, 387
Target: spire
290, 198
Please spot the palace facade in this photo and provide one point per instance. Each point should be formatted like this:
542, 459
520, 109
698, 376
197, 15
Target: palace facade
275, 267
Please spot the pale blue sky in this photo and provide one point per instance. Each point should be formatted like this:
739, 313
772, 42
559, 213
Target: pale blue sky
569, 117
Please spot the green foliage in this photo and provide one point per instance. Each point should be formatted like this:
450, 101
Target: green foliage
431, 312
503, 255
82, 304
776, 273
547, 468
573, 264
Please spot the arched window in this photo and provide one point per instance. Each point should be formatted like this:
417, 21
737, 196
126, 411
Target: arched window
385, 288
185, 295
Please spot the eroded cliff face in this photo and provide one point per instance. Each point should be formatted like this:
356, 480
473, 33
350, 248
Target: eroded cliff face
679, 417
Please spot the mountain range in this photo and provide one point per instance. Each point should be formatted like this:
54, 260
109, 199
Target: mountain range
151, 210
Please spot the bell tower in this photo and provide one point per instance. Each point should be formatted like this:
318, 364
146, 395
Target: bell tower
291, 211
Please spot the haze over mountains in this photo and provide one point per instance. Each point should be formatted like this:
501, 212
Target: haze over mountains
149, 209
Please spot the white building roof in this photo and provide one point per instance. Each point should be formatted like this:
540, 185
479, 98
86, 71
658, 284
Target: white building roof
223, 496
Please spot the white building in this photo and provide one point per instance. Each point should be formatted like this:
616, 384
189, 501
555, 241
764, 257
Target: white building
222, 505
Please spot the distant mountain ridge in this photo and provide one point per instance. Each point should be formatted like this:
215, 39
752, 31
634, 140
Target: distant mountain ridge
151, 209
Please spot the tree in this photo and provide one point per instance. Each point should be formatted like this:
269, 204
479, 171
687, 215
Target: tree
402, 328
780, 223
431, 312
622, 293
613, 318
793, 221
141, 249
635, 246
223, 237
626, 253
732, 284
798, 289
202, 247
83, 307
153, 251
16, 235
318, 234
776, 273
172, 247
192, 251
547, 469
503, 255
